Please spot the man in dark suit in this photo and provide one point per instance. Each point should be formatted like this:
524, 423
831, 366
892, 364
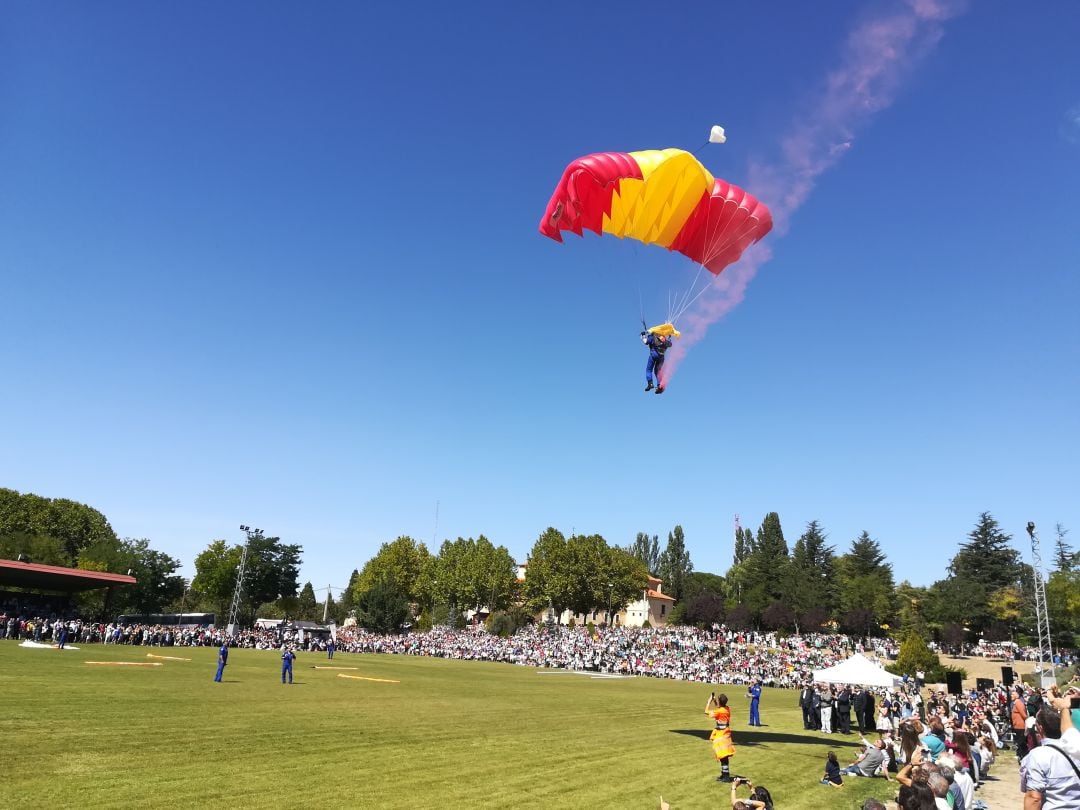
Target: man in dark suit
843, 710
815, 710
858, 703
806, 701
869, 721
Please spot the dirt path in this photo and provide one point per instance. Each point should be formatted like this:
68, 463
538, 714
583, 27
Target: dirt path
1002, 788
987, 667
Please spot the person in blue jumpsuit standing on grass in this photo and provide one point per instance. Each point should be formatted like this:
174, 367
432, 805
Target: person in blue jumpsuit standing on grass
755, 698
658, 344
330, 648
222, 660
287, 657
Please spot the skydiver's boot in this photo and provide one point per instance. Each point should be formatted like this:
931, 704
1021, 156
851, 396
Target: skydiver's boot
660, 389
649, 386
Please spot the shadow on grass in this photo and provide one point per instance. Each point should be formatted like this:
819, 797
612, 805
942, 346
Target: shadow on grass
749, 738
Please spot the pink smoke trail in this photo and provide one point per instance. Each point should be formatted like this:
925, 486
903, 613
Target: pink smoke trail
878, 56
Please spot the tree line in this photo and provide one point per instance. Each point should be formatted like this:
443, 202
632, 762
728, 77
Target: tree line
987, 591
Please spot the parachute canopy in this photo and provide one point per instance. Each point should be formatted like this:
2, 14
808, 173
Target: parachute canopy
716, 135
660, 197
666, 329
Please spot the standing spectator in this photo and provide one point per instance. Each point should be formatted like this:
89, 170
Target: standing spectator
330, 648
827, 703
806, 703
843, 710
868, 711
1049, 778
1018, 718
222, 660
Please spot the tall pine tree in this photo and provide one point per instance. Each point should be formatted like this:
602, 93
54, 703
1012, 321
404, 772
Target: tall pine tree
766, 567
867, 593
986, 557
811, 580
647, 549
675, 564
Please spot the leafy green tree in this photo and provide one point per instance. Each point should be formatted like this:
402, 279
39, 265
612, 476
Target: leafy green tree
270, 573
35, 548
306, 606
549, 581
74, 524
403, 561
494, 570
272, 570
1063, 601
702, 582
622, 579
675, 565
383, 608
914, 656
647, 549
1006, 606
912, 603
215, 576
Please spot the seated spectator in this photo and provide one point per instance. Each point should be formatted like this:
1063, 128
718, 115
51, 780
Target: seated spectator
832, 771
870, 762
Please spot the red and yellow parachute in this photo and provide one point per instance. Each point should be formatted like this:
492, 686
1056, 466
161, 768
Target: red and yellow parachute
660, 197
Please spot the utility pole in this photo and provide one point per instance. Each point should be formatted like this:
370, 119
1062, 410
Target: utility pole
1042, 617
252, 534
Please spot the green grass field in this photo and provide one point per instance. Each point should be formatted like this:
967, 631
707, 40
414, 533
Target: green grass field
451, 734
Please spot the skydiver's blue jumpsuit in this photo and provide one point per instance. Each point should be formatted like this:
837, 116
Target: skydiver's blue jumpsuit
222, 659
658, 344
755, 699
286, 664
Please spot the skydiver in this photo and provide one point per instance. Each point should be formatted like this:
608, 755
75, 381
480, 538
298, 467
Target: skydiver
658, 344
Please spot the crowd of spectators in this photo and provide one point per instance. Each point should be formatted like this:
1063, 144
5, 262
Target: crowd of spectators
720, 655
45, 631
679, 653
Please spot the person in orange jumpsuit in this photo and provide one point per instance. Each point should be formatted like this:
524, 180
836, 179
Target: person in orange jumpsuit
720, 738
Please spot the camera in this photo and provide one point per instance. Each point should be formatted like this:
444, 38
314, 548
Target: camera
1074, 703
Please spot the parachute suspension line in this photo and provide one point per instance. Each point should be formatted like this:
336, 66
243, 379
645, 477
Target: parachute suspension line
687, 300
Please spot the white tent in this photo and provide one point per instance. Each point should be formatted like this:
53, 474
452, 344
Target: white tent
858, 670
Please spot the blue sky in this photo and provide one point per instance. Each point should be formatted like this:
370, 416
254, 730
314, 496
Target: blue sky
279, 266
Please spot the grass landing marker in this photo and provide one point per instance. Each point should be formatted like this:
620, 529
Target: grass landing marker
125, 663
362, 678
167, 657
335, 667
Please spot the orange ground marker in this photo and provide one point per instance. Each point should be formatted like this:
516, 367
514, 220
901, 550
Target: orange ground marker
167, 657
362, 678
125, 663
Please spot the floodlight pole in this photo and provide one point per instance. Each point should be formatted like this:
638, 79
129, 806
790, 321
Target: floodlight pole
1042, 617
238, 592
